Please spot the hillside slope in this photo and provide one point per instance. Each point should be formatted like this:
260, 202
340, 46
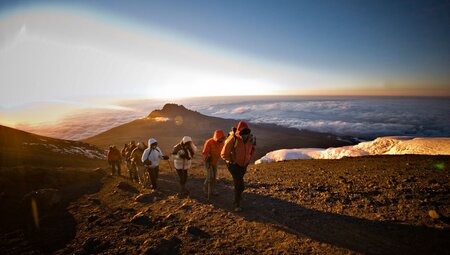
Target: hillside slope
20, 148
172, 122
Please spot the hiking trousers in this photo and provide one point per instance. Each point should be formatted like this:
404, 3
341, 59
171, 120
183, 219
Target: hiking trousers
154, 173
115, 167
237, 172
182, 173
213, 170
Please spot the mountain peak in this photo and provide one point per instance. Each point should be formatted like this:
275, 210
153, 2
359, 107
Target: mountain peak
172, 110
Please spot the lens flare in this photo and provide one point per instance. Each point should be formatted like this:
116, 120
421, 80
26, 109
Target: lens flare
34, 211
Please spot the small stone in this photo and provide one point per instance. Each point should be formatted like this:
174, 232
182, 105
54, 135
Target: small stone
433, 214
195, 231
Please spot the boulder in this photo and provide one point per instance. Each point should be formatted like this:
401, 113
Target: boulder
45, 198
127, 187
94, 245
141, 219
165, 246
195, 231
145, 198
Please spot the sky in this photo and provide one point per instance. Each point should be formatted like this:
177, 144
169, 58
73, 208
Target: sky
83, 53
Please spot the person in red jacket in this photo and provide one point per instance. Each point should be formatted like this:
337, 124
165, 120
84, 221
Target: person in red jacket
114, 159
211, 155
239, 147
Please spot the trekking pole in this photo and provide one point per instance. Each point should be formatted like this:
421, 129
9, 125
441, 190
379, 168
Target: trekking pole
170, 166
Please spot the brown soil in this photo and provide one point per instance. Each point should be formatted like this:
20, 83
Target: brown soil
368, 205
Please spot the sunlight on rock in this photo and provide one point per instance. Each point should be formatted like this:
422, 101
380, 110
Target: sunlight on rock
178, 120
433, 214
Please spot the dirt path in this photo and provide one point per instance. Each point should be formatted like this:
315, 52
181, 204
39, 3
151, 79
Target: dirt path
316, 207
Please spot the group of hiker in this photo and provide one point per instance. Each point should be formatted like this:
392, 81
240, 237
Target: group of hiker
143, 160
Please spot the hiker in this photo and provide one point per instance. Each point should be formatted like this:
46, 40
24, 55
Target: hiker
131, 170
211, 155
150, 158
237, 151
136, 161
183, 153
123, 152
114, 159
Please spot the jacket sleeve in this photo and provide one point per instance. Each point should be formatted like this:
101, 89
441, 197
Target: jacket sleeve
206, 149
145, 155
226, 150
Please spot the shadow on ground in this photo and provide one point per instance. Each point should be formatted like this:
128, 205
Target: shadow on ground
356, 234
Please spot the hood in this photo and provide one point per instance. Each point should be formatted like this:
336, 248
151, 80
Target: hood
186, 139
241, 126
218, 134
151, 141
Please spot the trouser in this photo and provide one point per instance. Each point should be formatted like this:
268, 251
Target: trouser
213, 170
132, 172
153, 172
115, 167
140, 173
238, 173
182, 173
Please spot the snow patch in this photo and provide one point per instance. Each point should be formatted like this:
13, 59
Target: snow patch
389, 145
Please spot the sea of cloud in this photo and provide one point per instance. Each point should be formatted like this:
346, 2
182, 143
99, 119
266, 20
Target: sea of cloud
362, 117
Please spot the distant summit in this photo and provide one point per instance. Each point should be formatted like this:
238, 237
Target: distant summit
172, 111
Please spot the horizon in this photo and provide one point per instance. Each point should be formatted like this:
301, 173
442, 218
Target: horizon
361, 117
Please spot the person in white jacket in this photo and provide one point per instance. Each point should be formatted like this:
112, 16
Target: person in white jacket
150, 158
183, 153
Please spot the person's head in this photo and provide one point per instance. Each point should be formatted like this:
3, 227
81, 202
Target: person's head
133, 143
111, 147
243, 130
219, 136
186, 140
141, 145
152, 143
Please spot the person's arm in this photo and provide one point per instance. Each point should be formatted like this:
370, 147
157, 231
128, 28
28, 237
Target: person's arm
226, 151
145, 155
206, 150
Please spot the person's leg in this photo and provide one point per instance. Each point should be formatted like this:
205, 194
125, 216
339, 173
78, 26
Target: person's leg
113, 167
205, 183
140, 173
154, 176
214, 178
237, 173
240, 184
118, 167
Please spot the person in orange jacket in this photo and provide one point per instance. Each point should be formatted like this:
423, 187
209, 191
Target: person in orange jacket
211, 155
239, 147
114, 159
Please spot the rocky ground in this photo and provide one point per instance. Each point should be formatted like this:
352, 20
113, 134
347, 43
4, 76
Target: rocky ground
368, 205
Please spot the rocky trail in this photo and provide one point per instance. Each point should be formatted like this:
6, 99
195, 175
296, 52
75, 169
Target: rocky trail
369, 205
